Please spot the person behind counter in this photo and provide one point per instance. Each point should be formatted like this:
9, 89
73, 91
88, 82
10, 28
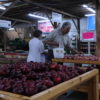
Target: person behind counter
36, 48
59, 38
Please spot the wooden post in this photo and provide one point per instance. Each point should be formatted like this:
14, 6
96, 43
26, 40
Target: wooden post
98, 27
93, 91
78, 39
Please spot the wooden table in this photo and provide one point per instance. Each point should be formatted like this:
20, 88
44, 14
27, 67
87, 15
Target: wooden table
76, 61
49, 94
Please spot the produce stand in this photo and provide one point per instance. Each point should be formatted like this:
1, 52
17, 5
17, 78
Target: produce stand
9, 58
49, 94
76, 61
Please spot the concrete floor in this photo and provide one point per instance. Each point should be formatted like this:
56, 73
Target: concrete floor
74, 96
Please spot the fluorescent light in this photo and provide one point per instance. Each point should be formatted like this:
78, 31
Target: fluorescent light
85, 6
7, 4
2, 7
89, 15
32, 15
43, 21
90, 9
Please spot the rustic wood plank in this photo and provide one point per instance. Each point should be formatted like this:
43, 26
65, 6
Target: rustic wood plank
76, 61
12, 96
81, 88
95, 87
93, 91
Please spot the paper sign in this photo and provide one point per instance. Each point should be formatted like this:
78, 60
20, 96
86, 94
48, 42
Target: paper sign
91, 23
45, 26
88, 35
5, 24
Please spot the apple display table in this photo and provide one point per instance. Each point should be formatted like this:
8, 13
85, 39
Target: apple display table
91, 77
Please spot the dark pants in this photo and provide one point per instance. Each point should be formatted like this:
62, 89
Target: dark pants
50, 55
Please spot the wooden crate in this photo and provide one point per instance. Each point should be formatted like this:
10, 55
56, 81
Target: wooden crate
84, 88
57, 90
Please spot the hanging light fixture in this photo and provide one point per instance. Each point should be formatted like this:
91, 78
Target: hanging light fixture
36, 16
88, 8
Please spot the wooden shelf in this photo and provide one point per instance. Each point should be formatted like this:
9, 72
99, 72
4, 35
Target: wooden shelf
11, 60
76, 61
57, 90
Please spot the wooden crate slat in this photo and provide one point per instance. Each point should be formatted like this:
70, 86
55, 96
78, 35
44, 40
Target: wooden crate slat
76, 61
81, 88
12, 96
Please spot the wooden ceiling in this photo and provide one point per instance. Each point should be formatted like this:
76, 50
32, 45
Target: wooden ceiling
17, 10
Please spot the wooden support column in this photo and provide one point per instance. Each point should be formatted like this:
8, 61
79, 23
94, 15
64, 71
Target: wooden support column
78, 40
93, 91
77, 26
98, 27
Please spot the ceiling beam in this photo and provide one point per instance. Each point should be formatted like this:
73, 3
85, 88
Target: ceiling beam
13, 23
49, 8
66, 3
19, 20
7, 9
20, 5
23, 11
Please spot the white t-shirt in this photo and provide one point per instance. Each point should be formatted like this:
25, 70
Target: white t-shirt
36, 48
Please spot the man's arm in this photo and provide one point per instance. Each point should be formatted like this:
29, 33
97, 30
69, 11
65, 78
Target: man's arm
73, 50
50, 43
50, 39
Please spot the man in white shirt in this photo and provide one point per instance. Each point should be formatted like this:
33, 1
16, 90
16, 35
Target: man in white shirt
36, 48
60, 38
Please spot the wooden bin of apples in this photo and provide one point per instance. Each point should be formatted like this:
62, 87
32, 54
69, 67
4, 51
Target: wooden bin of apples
81, 59
41, 81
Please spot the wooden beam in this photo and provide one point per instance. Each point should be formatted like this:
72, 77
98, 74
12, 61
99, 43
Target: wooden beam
49, 8
76, 61
23, 11
76, 26
98, 27
19, 20
49, 18
7, 9
78, 40
20, 5
13, 23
